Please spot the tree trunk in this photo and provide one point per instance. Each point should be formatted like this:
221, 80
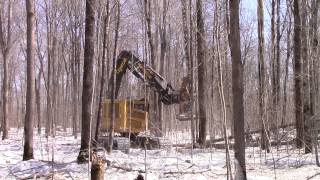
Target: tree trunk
313, 70
75, 70
147, 11
49, 52
273, 66
5, 44
185, 30
261, 72
277, 65
87, 92
74, 99
306, 75
187, 36
5, 97
38, 100
97, 168
163, 51
201, 74
103, 78
30, 97
220, 85
237, 89
298, 74
153, 95
113, 92
288, 54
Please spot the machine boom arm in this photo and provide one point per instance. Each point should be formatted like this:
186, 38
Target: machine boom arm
126, 60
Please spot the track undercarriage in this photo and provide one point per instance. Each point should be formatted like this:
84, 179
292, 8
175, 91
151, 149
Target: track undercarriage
123, 142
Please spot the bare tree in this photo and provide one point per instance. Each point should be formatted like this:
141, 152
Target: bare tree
154, 97
237, 89
114, 92
187, 35
275, 60
38, 100
306, 75
148, 15
30, 97
103, 78
288, 54
298, 74
163, 53
261, 72
220, 85
313, 64
273, 63
87, 92
50, 26
76, 47
5, 44
201, 74
313, 72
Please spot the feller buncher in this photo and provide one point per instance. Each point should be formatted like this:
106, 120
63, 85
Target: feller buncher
131, 115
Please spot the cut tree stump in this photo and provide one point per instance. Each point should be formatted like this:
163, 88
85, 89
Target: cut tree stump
97, 168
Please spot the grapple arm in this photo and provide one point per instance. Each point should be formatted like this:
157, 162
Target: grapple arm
126, 60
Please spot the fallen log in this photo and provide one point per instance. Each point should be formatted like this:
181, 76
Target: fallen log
255, 144
250, 132
187, 172
213, 141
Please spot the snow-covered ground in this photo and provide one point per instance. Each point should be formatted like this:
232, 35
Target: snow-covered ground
169, 163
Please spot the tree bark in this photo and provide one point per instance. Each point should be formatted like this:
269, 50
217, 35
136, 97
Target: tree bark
298, 74
306, 75
288, 54
114, 94
237, 88
5, 44
163, 52
201, 74
261, 72
274, 76
87, 92
97, 169
38, 101
147, 11
220, 86
48, 130
30, 96
313, 71
277, 64
187, 38
5, 97
103, 78
154, 113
